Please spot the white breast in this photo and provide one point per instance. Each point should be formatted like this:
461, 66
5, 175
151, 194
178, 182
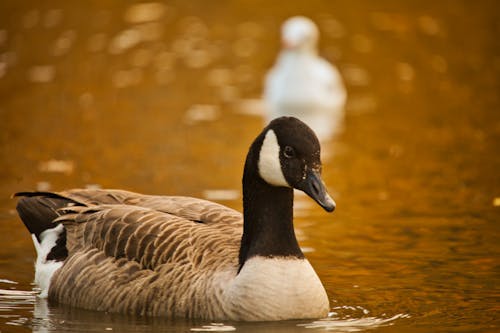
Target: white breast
276, 289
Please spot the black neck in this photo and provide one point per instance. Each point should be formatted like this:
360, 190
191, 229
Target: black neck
268, 218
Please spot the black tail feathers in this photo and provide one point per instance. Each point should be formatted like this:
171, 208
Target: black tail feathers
38, 211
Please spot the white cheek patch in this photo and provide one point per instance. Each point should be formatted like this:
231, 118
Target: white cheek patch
269, 161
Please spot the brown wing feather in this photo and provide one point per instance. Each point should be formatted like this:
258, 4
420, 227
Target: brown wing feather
145, 254
189, 208
149, 237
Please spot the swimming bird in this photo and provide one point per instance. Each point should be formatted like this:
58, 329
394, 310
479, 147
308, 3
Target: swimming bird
304, 85
173, 256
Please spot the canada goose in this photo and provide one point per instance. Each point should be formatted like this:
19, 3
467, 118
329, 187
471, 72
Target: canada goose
304, 85
119, 251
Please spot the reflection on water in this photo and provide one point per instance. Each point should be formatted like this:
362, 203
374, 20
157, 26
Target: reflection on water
15, 305
164, 98
214, 327
353, 324
15, 309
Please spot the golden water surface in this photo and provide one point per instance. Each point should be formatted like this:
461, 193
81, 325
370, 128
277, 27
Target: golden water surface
163, 98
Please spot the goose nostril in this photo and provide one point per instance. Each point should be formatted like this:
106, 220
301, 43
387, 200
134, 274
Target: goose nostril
316, 188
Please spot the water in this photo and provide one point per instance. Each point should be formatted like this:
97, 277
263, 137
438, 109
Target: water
162, 99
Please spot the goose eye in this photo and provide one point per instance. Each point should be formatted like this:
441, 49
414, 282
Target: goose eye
289, 152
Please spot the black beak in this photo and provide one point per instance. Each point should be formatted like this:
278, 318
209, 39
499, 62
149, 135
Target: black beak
313, 186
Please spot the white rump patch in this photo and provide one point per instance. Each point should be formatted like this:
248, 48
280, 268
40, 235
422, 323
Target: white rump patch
44, 269
269, 161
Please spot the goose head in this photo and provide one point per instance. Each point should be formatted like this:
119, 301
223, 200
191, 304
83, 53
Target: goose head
289, 156
299, 33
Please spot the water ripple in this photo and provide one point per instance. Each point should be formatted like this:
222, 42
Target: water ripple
214, 327
14, 303
352, 324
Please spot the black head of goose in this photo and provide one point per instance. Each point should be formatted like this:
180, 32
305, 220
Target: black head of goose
286, 155
120, 251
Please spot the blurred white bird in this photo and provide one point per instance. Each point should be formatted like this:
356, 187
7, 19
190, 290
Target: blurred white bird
304, 85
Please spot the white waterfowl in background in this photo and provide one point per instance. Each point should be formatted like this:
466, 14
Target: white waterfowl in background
119, 251
304, 85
